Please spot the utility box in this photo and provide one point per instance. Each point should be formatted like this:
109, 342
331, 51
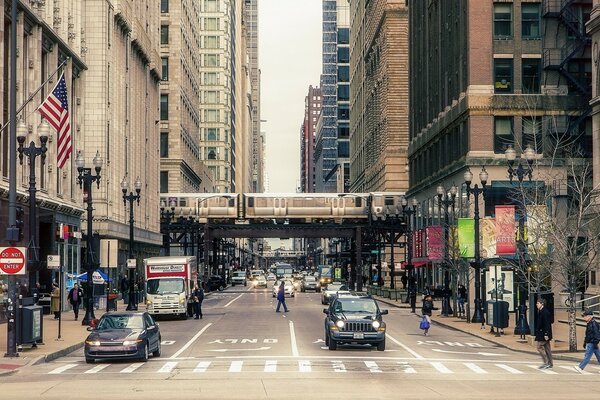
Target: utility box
32, 324
497, 313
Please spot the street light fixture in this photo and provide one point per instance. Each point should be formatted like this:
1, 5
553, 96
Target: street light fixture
476, 190
408, 213
131, 198
447, 200
166, 215
85, 180
31, 151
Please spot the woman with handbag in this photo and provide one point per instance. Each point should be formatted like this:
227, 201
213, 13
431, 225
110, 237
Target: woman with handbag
426, 310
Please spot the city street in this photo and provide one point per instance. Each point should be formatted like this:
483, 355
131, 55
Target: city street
243, 349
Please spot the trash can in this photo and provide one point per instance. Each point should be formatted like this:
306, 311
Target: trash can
32, 324
497, 313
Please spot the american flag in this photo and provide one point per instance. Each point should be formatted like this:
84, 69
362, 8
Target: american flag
56, 111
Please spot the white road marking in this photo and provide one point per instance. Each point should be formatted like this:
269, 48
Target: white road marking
202, 366
304, 366
96, 369
441, 367
481, 353
295, 352
475, 368
62, 369
225, 350
192, 340
572, 369
236, 366
131, 368
271, 366
414, 353
373, 367
407, 368
168, 367
545, 371
509, 369
338, 366
228, 304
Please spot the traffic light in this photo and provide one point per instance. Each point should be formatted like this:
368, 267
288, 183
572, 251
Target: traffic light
20, 221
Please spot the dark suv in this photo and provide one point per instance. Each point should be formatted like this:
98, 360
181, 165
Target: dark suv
354, 319
215, 282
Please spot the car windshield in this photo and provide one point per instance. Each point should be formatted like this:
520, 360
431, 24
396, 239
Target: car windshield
309, 278
239, 274
120, 322
165, 286
336, 287
357, 306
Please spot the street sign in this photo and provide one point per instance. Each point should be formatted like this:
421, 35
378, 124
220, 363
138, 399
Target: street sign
53, 261
374, 251
12, 260
131, 263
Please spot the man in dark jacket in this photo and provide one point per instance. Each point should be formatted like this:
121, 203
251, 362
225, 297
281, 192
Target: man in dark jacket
592, 337
75, 298
543, 333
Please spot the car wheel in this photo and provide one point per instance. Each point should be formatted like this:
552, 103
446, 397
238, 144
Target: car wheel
89, 360
221, 288
326, 339
156, 353
381, 345
146, 353
332, 344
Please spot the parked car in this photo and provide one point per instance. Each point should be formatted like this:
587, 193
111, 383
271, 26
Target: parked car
289, 289
332, 290
216, 282
354, 320
127, 334
260, 281
310, 283
238, 278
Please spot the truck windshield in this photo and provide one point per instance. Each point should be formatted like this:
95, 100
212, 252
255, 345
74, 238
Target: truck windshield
165, 286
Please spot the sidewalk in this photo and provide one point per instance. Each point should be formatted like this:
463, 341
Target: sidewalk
72, 336
560, 331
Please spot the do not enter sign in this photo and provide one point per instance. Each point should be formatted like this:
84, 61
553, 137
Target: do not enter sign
12, 260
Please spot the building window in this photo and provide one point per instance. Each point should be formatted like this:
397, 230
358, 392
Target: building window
532, 70
343, 74
211, 134
503, 75
164, 181
343, 111
211, 153
211, 24
532, 133
502, 20
211, 5
211, 78
164, 6
211, 115
343, 55
503, 134
165, 68
164, 107
343, 130
164, 34
211, 42
164, 145
211, 60
343, 36
211, 97
343, 149
530, 20
343, 92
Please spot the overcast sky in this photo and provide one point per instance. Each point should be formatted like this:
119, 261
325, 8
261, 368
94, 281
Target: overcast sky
290, 60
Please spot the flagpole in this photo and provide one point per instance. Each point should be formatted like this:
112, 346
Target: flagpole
36, 92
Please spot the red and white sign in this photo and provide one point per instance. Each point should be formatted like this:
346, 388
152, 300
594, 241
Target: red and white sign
12, 260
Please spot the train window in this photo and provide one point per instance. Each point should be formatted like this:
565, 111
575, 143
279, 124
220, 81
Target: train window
389, 201
182, 203
357, 202
250, 201
231, 202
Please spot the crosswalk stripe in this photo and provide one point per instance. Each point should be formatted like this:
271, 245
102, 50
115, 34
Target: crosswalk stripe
271, 366
441, 367
373, 367
202, 366
236, 366
509, 369
338, 366
62, 369
168, 367
407, 368
96, 369
572, 369
304, 366
131, 368
545, 371
475, 368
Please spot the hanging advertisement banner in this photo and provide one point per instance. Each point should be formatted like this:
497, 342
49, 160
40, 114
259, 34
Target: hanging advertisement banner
536, 227
505, 230
435, 243
466, 237
488, 237
499, 285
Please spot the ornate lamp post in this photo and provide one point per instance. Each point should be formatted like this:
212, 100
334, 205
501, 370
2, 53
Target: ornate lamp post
131, 198
85, 180
522, 327
166, 215
31, 151
447, 200
408, 213
476, 191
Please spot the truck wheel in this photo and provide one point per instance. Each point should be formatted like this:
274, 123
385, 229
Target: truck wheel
332, 344
381, 345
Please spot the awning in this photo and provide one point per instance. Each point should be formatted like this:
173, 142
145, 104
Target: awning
416, 264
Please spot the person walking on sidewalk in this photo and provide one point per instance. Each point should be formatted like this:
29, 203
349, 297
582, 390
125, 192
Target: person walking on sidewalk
55, 300
75, 297
543, 334
412, 294
281, 297
592, 337
461, 296
426, 310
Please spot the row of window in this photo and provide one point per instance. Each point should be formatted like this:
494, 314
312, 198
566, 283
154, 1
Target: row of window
531, 72
530, 20
209, 6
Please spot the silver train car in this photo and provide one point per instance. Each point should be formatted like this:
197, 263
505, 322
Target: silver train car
202, 206
384, 204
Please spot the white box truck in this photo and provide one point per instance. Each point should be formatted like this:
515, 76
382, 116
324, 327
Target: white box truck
169, 282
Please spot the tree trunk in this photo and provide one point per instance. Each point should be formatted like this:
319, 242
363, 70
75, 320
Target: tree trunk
572, 322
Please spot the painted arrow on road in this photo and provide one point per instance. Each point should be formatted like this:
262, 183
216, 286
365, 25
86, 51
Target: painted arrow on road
481, 353
257, 349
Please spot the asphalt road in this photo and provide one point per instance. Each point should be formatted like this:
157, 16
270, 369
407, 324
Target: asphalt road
243, 349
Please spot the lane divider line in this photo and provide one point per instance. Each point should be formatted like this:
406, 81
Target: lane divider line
228, 304
295, 352
192, 340
414, 353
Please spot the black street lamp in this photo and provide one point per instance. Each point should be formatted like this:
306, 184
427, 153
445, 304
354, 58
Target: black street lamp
447, 200
476, 190
85, 180
32, 152
166, 215
522, 327
408, 213
131, 198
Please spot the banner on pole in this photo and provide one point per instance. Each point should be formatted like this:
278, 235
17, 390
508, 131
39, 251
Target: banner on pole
435, 243
505, 230
466, 237
488, 238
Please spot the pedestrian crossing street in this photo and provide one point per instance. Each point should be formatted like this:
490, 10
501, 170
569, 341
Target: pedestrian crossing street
161, 367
